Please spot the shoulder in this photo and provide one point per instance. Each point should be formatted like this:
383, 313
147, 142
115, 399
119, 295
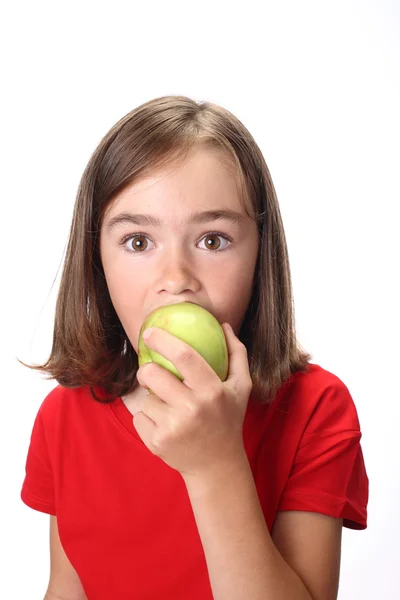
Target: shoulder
318, 397
308, 402
315, 380
67, 416
315, 403
62, 403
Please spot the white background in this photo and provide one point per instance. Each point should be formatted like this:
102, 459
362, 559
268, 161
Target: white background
317, 84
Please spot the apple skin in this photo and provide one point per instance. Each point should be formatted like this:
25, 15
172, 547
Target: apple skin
194, 325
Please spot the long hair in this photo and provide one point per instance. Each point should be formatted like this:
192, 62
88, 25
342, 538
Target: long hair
90, 346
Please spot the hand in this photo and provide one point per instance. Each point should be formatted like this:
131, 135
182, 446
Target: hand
194, 425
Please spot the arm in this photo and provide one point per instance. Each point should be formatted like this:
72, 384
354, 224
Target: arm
300, 562
196, 428
64, 582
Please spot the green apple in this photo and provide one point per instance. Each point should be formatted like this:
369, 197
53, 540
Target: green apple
194, 325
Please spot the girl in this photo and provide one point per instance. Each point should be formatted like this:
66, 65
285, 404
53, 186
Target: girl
234, 490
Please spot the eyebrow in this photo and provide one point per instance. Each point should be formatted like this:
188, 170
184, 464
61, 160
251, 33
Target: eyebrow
199, 218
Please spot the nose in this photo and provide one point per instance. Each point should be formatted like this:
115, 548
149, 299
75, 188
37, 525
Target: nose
176, 274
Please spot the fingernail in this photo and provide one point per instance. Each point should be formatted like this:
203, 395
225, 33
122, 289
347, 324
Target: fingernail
147, 333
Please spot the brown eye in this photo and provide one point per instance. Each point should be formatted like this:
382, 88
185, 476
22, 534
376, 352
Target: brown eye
138, 243
215, 241
212, 242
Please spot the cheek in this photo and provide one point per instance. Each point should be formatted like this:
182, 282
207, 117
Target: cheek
236, 278
127, 290
231, 293
124, 280
118, 287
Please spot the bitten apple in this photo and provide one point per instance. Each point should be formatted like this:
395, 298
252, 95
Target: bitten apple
194, 325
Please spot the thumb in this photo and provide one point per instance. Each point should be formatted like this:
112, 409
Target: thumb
144, 426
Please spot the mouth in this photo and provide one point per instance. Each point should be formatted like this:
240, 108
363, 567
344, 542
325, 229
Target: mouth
169, 304
210, 310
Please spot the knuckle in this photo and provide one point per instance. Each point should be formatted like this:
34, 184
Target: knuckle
144, 369
243, 348
211, 395
185, 355
151, 367
159, 440
167, 435
193, 409
144, 372
248, 385
139, 377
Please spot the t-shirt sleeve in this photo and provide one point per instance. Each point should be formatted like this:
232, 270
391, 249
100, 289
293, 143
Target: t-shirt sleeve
38, 486
328, 475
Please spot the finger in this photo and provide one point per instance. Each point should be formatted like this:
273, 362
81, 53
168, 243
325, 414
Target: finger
165, 385
195, 370
150, 416
239, 377
154, 408
144, 426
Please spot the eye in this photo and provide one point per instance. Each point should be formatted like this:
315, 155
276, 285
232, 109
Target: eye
213, 243
140, 243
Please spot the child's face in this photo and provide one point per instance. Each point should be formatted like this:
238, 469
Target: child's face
176, 260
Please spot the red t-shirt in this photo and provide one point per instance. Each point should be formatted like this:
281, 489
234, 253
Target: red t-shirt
125, 520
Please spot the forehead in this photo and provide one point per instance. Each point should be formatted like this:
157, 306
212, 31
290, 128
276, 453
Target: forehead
205, 179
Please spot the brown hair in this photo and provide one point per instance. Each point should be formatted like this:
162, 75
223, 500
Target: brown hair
90, 346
